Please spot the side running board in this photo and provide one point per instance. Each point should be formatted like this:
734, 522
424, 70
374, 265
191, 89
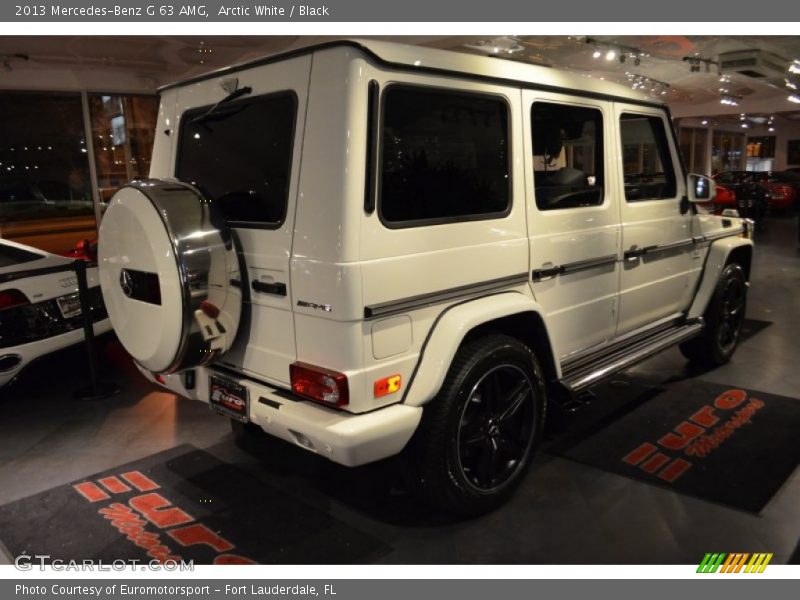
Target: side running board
585, 371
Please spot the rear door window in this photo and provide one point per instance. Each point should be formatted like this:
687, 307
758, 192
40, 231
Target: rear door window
567, 155
239, 155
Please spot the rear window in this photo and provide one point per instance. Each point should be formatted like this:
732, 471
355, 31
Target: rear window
239, 155
567, 155
445, 156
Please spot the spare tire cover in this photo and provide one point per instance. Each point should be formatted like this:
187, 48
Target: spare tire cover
169, 273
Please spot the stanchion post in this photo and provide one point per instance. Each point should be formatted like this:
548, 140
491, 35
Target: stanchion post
97, 390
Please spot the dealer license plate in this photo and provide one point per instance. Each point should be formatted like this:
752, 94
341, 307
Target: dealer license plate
228, 398
70, 306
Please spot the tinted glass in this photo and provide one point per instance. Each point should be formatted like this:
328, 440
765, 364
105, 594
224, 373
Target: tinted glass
240, 156
44, 171
568, 155
45, 189
647, 162
444, 156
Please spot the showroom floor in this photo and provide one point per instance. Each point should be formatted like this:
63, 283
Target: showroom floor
565, 511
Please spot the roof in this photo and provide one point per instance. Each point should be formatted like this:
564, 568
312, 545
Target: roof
454, 64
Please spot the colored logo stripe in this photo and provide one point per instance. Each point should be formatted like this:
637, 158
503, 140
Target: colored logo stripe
758, 563
711, 563
735, 562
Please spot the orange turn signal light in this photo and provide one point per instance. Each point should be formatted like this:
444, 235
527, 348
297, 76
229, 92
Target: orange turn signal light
387, 385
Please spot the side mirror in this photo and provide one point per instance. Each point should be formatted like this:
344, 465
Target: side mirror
700, 188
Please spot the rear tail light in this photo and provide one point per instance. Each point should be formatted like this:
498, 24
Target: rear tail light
12, 298
319, 384
779, 192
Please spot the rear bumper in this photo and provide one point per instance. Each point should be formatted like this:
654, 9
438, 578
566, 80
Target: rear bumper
342, 437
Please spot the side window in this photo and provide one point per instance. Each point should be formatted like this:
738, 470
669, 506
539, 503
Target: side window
646, 159
445, 157
568, 155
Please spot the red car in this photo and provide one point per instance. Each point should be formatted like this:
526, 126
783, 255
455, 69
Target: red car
725, 198
782, 192
85, 249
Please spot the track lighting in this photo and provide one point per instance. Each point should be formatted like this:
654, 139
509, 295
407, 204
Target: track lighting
698, 63
616, 51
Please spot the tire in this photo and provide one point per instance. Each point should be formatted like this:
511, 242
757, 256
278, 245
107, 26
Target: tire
724, 319
478, 435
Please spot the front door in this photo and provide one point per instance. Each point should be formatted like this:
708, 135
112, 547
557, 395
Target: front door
660, 265
573, 217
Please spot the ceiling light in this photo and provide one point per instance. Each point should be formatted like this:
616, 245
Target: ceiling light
704, 122
611, 55
597, 54
793, 68
794, 98
745, 126
771, 129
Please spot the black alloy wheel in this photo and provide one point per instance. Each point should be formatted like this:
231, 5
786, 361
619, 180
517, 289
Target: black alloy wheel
478, 435
496, 427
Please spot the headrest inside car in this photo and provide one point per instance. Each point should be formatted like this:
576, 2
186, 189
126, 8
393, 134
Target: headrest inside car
547, 138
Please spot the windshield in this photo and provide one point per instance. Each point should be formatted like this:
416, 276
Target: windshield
240, 156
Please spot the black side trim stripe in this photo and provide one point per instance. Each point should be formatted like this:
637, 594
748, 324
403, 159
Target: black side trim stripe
429, 335
414, 302
722, 234
674, 245
635, 253
574, 267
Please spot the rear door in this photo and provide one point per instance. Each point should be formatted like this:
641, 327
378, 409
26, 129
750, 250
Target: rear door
573, 217
660, 265
244, 154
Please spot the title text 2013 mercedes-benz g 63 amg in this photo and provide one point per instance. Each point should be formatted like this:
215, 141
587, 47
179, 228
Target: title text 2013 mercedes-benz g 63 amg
366, 248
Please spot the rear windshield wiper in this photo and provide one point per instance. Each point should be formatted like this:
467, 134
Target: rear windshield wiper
207, 116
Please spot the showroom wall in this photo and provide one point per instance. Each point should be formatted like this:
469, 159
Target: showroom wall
785, 131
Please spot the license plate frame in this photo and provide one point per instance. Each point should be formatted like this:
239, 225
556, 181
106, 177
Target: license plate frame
229, 398
69, 306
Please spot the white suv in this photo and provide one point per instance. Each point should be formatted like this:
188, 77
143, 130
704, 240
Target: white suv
367, 248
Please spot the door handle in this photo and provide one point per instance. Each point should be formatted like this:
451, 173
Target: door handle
546, 273
277, 288
636, 253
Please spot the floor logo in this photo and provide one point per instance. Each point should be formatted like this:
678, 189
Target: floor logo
696, 437
148, 514
737, 562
